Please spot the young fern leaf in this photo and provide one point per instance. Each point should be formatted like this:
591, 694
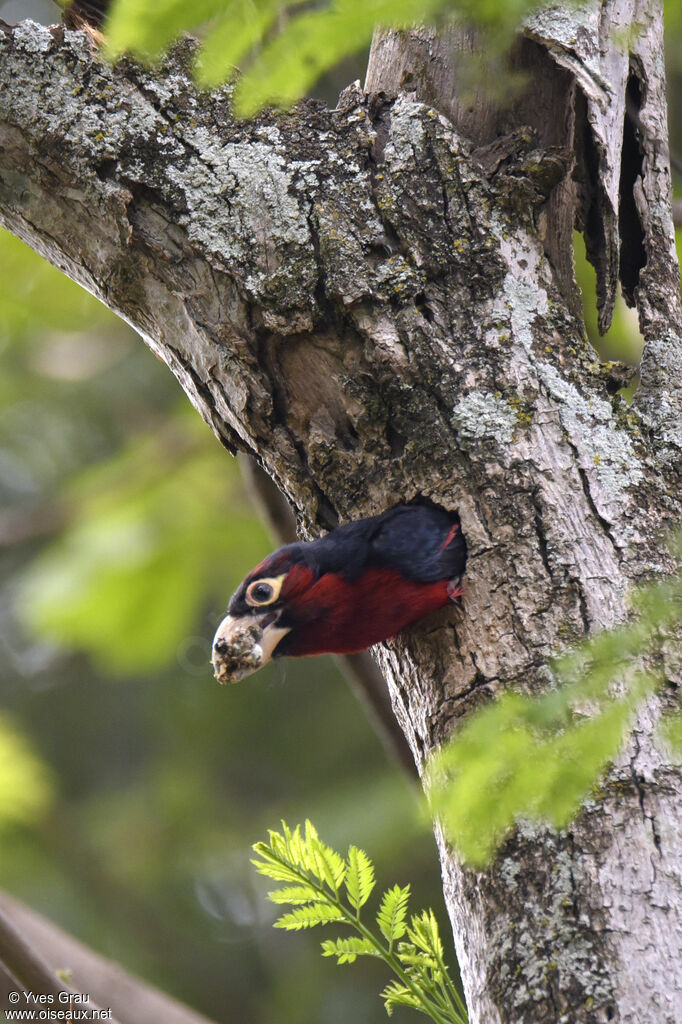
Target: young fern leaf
318, 872
272, 866
392, 912
296, 894
326, 864
407, 954
359, 877
396, 994
423, 932
295, 846
309, 916
348, 950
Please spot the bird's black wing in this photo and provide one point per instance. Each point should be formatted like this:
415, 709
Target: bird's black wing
423, 543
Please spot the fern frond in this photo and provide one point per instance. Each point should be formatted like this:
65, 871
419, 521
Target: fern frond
407, 954
309, 916
308, 841
396, 994
317, 871
348, 950
359, 877
391, 915
272, 867
326, 864
423, 931
278, 845
295, 845
296, 894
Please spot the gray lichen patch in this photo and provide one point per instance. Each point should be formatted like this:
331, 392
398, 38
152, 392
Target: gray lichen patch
525, 303
480, 417
605, 451
253, 219
407, 133
31, 37
243, 201
523, 298
551, 946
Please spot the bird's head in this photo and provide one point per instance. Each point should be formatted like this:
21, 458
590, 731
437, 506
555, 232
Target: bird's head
360, 584
259, 615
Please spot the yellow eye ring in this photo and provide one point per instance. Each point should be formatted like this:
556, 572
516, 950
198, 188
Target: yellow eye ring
265, 591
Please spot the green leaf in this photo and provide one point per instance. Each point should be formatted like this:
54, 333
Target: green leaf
501, 768
314, 41
236, 33
348, 950
359, 877
145, 545
295, 894
282, 46
423, 932
397, 994
327, 865
308, 917
539, 757
408, 955
293, 846
392, 912
272, 866
420, 961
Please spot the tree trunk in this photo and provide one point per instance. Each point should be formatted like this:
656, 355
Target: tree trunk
377, 303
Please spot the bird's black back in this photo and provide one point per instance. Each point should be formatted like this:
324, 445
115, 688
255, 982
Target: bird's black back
410, 538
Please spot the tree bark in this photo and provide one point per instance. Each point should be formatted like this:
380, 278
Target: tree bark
377, 304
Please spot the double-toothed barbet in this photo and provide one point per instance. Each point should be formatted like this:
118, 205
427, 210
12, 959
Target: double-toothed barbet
360, 584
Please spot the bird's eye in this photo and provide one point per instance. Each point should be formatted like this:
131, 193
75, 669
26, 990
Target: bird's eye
262, 592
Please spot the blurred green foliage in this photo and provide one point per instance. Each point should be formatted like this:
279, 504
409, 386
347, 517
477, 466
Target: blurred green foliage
25, 785
145, 549
282, 47
538, 758
623, 341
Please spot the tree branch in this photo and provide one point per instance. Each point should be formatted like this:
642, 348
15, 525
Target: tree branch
109, 985
33, 974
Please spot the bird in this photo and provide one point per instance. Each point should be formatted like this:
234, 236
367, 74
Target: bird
358, 585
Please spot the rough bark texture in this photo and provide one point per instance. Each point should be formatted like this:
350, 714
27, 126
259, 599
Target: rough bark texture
379, 306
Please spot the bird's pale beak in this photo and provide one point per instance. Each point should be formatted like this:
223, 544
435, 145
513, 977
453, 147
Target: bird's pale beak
242, 645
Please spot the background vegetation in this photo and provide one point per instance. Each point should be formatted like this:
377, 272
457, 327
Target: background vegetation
131, 785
